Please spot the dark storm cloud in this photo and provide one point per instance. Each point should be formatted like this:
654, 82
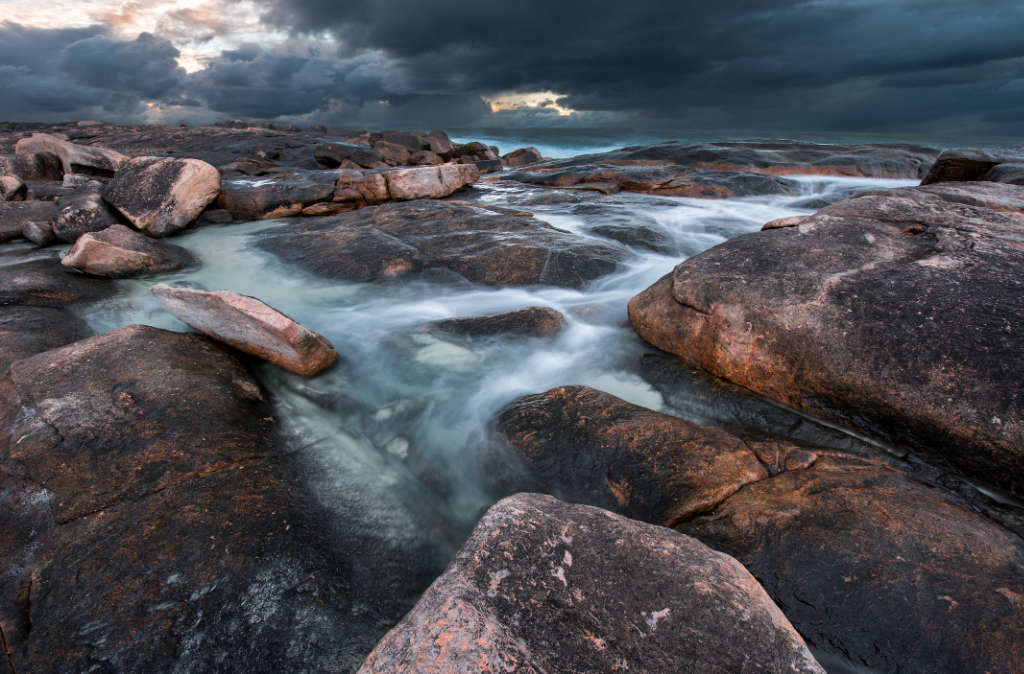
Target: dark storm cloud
780, 63
50, 75
857, 65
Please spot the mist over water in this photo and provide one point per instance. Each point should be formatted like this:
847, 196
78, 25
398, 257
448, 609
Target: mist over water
382, 437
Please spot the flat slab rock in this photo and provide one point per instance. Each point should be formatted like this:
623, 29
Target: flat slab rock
119, 252
723, 170
528, 322
154, 529
875, 569
162, 195
897, 313
543, 586
408, 238
251, 326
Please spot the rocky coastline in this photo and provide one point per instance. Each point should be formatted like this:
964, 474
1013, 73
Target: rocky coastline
156, 516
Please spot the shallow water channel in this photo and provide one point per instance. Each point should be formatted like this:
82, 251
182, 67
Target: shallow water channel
382, 439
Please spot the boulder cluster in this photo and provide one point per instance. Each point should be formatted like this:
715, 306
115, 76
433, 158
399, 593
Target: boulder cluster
152, 522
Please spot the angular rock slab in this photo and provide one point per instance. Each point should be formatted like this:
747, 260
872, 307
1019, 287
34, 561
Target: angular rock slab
407, 238
119, 252
163, 195
251, 326
543, 586
874, 568
73, 158
897, 313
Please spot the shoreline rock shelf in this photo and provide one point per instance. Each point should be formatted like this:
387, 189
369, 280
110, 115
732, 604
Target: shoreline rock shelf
896, 313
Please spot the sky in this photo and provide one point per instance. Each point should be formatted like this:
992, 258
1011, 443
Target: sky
875, 66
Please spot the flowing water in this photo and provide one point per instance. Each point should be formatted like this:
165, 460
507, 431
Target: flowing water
383, 436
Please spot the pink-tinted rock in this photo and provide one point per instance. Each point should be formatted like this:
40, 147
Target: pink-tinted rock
392, 153
522, 157
163, 195
12, 188
426, 182
251, 326
119, 252
543, 586
73, 158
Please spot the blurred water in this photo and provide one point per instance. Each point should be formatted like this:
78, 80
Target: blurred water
382, 435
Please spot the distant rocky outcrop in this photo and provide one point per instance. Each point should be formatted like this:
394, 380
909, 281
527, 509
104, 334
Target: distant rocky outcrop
251, 326
723, 170
119, 252
875, 569
896, 313
407, 238
542, 586
73, 158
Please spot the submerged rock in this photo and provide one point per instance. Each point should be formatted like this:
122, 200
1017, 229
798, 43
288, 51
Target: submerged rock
896, 313
543, 586
119, 252
251, 326
529, 322
161, 196
874, 568
400, 239
73, 158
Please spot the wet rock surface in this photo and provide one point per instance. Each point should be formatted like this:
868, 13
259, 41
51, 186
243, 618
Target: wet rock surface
44, 283
723, 170
400, 239
171, 539
251, 326
119, 252
874, 568
15, 215
162, 195
529, 322
545, 586
895, 313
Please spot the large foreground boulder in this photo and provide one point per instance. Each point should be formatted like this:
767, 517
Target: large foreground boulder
896, 313
250, 325
401, 239
73, 158
875, 569
542, 586
163, 195
119, 252
155, 531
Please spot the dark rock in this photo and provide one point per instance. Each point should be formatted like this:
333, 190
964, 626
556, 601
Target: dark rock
161, 196
44, 283
332, 155
215, 216
83, 211
405, 238
173, 541
1012, 174
488, 165
28, 330
31, 166
529, 322
425, 157
896, 313
637, 236
522, 157
874, 568
439, 142
281, 196
251, 326
962, 166
411, 141
542, 586
429, 182
119, 252
14, 215
392, 154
